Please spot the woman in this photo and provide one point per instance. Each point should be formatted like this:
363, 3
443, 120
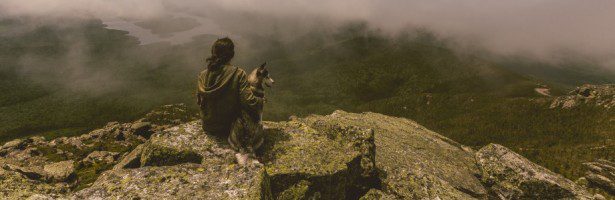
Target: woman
223, 92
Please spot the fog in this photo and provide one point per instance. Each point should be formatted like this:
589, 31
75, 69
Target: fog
537, 28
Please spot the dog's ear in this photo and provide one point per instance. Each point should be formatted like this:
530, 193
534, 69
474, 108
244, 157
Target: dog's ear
262, 66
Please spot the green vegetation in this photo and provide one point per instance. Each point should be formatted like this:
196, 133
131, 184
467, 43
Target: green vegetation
49, 89
66, 80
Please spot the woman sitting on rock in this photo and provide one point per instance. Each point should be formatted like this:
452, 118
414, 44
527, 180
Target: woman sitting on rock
223, 92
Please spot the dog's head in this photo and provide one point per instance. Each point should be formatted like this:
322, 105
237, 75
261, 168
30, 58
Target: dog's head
263, 74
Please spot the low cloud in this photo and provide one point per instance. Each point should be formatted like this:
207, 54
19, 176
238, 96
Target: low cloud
539, 28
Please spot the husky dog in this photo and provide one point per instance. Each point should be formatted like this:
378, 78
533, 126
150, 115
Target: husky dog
258, 78
247, 131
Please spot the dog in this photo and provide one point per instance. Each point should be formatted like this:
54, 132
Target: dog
247, 130
259, 79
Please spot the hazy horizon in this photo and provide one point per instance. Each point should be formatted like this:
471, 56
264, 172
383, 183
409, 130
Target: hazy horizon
546, 29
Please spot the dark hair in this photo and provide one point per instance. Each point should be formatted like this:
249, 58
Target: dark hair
222, 52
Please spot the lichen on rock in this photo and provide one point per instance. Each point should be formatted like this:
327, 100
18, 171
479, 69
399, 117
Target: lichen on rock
184, 181
415, 163
511, 176
333, 161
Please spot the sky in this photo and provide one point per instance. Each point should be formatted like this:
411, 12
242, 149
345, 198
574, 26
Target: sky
538, 28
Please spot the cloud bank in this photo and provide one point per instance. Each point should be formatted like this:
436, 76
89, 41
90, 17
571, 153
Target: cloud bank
540, 28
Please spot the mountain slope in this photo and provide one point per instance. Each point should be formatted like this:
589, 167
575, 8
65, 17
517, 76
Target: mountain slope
337, 156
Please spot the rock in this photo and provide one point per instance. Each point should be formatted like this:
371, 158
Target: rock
599, 197
415, 163
511, 176
594, 95
37, 140
337, 156
184, 181
142, 129
60, 171
297, 191
176, 145
74, 141
104, 157
14, 186
186, 143
157, 155
582, 182
25, 154
375, 194
170, 115
601, 174
40, 197
333, 161
14, 144
131, 160
119, 135
25, 171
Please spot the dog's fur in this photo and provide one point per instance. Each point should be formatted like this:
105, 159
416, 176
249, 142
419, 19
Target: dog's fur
257, 79
250, 123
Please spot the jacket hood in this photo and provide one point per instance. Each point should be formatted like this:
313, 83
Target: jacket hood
216, 81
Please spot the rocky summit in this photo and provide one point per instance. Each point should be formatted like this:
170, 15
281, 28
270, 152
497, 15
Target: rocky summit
594, 95
343, 155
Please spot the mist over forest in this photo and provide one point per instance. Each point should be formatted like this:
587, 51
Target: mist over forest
467, 72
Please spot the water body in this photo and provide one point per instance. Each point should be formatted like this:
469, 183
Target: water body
146, 36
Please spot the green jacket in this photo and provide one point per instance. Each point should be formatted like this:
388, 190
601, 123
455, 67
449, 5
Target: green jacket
221, 94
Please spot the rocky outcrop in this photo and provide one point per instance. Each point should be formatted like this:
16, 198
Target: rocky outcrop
184, 181
511, 176
60, 171
601, 175
337, 156
185, 143
594, 95
316, 159
15, 185
414, 162
56, 167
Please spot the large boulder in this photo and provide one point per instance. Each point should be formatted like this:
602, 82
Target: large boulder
13, 144
414, 162
60, 171
511, 176
181, 162
186, 143
184, 181
312, 159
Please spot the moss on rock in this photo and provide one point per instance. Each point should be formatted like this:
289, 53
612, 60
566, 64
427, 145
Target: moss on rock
184, 181
414, 162
329, 163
